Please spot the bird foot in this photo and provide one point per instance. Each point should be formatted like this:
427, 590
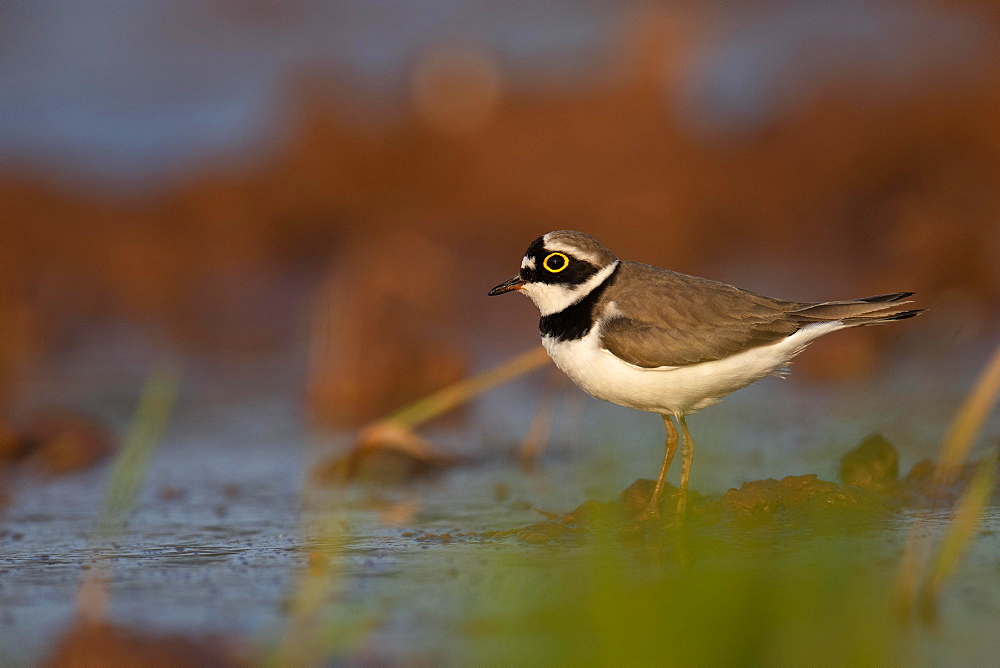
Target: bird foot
651, 518
650, 512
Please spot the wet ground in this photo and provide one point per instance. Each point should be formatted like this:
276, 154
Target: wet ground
223, 526
438, 571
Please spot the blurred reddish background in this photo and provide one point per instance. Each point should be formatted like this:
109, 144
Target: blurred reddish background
351, 178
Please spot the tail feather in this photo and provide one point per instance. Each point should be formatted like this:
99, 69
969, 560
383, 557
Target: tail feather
855, 312
903, 315
892, 297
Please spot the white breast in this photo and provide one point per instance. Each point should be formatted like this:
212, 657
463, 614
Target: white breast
674, 390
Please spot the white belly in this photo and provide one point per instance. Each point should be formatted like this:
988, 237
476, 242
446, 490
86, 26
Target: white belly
673, 390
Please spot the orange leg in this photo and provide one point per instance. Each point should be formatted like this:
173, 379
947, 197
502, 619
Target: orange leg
652, 508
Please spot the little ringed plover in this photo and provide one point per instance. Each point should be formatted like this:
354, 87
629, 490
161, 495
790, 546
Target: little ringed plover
665, 342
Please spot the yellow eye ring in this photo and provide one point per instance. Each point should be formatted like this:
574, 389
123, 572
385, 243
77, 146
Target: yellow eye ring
565, 262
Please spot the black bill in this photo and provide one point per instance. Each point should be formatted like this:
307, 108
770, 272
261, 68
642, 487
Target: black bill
515, 283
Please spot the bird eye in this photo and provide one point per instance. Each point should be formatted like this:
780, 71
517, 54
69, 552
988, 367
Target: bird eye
555, 262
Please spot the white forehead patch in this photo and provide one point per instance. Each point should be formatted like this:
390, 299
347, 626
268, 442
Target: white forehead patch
572, 250
527, 262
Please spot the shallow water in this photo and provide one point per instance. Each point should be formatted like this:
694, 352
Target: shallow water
222, 527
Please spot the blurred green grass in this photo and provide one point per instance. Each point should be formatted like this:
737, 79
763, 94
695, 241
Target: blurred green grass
820, 603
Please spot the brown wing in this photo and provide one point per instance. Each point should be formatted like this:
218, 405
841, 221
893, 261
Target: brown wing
663, 318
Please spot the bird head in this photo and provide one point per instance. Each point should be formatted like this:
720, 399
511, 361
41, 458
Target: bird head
559, 269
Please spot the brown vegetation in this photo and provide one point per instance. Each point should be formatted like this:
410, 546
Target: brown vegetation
90, 644
55, 443
837, 197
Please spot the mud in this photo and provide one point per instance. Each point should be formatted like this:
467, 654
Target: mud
55, 443
90, 644
873, 465
384, 454
212, 555
794, 500
871, 492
